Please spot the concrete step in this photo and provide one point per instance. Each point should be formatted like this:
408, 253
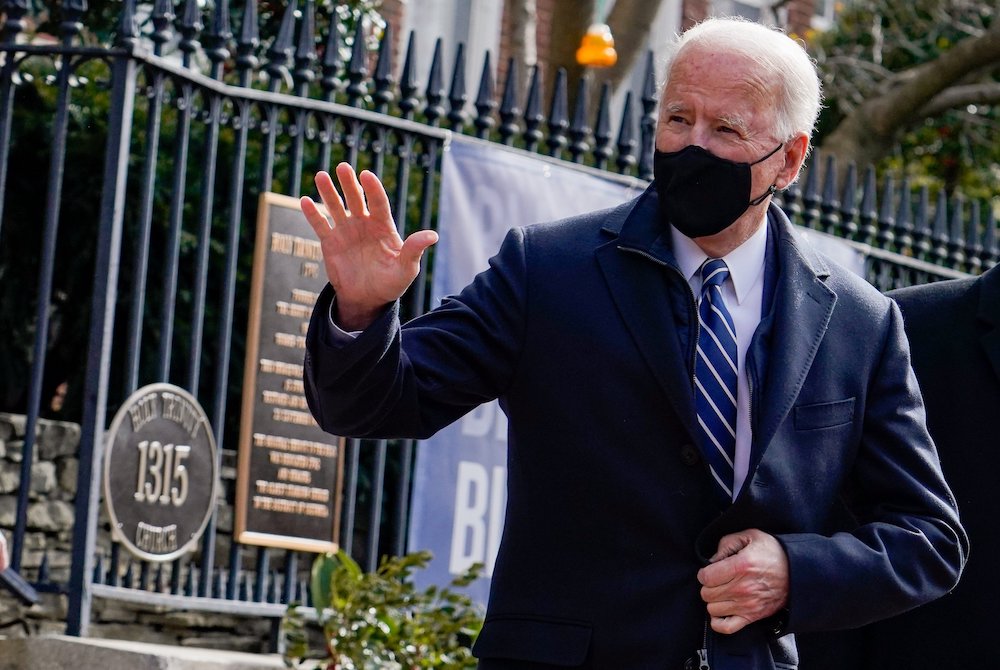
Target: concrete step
72, 653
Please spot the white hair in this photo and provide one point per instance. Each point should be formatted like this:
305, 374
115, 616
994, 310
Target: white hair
780, 58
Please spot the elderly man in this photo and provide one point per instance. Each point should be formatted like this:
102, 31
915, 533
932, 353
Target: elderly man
689, 390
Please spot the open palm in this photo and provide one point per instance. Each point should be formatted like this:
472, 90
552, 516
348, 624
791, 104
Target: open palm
368, 264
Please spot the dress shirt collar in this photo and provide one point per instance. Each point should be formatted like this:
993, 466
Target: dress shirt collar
745, 262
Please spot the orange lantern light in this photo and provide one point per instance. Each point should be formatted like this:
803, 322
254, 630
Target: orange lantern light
597, 49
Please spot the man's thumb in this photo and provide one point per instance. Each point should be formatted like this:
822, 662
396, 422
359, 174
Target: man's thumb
415, 245
730, 545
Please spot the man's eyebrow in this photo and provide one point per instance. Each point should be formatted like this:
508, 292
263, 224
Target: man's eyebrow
735, 122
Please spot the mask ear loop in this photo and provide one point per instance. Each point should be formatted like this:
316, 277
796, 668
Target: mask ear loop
769, 154
772, 189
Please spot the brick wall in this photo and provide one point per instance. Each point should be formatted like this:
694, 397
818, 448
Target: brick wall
800, 13
394, 12
543, 37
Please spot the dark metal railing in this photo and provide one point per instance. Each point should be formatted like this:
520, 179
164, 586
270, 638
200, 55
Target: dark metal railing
197, 124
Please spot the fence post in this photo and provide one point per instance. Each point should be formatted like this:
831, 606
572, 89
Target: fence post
14, 11
109, 237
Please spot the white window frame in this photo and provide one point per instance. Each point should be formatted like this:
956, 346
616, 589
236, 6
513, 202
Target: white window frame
825, 13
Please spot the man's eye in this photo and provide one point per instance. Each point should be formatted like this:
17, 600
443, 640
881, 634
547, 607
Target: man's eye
726, 129
676, 119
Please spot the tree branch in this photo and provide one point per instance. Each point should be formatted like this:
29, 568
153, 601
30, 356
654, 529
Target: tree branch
909, 91
960, 96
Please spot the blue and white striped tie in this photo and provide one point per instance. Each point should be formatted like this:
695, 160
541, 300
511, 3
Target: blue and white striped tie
715, 376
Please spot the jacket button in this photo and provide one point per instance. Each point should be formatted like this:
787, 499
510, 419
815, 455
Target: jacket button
690, 455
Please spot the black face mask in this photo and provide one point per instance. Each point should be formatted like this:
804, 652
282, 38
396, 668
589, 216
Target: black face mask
701, 194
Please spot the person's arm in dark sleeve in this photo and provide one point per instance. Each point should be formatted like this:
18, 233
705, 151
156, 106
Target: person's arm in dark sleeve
909, 547
410, 381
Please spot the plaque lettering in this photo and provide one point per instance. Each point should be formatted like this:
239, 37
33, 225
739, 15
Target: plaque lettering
282, 243
285, 400
143, 411
281, 368
181, 412
305, 297
294, 445
285, 308
156, 539
294, 417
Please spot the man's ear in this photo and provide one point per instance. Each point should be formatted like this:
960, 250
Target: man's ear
795, 154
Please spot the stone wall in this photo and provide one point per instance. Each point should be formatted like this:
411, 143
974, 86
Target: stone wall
50, 518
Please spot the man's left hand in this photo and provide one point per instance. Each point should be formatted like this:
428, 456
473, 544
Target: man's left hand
746, 580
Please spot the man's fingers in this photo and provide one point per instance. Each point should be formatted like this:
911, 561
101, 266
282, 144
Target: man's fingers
354, 196
718, 573
728, 625
722, 608
331, 199
320, 224
716, 594
720, 570
725, 617
375, 196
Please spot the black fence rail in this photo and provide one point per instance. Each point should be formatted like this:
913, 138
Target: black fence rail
899, 225
129, 182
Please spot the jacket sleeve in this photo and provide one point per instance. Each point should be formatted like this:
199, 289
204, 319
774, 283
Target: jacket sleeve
412, 380
909, 546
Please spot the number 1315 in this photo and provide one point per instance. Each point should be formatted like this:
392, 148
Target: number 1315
163, 477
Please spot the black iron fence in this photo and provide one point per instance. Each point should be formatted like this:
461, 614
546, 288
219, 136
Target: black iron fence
129, 178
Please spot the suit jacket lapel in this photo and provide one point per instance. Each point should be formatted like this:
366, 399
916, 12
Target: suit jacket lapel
803, 305
989, 313
633, 265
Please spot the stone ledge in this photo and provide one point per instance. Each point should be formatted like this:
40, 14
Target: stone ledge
60, 651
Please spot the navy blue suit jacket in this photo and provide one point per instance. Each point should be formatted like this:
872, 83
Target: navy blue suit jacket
585, 331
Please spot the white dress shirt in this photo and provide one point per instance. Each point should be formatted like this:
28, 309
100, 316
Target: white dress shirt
743, 293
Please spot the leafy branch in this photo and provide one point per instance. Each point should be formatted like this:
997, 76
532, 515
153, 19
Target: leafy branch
380, 619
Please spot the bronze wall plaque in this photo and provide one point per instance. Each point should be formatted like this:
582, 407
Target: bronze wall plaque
290, 471
160, 473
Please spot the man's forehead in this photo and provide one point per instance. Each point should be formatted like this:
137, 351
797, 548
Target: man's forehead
730, 78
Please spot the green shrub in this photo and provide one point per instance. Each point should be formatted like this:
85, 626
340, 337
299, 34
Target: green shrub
380, 620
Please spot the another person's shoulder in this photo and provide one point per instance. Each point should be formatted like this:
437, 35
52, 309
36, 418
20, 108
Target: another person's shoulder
936, 291
933, 293
936, 308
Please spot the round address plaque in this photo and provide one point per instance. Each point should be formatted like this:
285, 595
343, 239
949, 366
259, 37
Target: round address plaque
160, 472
